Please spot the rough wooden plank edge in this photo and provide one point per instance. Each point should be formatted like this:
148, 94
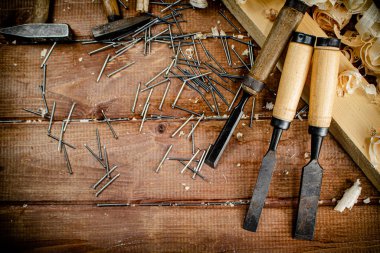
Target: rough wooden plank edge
355, 154
358, 154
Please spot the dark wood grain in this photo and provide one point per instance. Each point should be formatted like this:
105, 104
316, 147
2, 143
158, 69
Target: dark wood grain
39, 165
59, 228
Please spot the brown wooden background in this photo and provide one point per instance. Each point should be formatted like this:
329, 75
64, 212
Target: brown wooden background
45, 209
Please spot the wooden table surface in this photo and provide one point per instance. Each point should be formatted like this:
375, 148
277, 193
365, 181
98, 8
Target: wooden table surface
45, 209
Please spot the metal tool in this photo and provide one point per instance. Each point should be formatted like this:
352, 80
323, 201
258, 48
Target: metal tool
292, 80
324, 78
38, 32
119, 27
287, 21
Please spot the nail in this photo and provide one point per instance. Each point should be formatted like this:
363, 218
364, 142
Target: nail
109, 125
170, 5
192, 140
179, 94
61, 136
120, 69
164, 96
101, 49
229, 21
106, 161
193, 171
136, 97
48, 54
196, 170
99, 144
196, 124
103, 67
69, 117
66, 157
171, 37
155, 77
44, 79
252, 112
164, 158
106, 185
63, 142
51, 118
146, 102
240, 59
154, 85
186, 110
104, 177
94, 155
184, 123
188, 163
215, 102
144, 117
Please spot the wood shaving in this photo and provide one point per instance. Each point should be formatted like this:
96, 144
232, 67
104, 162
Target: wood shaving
271, 14
238, 165
357, 6
189, 52
245, 52
350, 80
181, 133
200, 36
80, 59
142, 6
199, 3
370, 56
241, 1
367, 201
269, 106
222, 33
368, 25
239, 136
321, 4
43, 53
350, 197
214, 31
337, 15
349, 38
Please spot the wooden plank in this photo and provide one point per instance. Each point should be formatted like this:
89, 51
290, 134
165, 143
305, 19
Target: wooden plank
34, 170
70, 80
80, 228
353, 134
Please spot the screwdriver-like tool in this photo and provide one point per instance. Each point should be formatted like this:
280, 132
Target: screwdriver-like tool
287, 21
292, 80
324, 79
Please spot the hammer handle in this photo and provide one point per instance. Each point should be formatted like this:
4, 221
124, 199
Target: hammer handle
324, 79
292, 80
112, 10
287, 21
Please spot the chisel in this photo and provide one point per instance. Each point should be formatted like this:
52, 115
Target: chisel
287, 21
292, 80
324, 79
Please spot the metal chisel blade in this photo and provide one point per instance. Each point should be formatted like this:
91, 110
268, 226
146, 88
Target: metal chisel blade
309, 196
38, 32
119, 27
225, 135
260, 192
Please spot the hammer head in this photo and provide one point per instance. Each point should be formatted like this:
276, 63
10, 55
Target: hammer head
38, 32
119, 27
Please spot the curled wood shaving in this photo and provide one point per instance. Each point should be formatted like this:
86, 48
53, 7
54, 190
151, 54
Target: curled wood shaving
370, 55
199, 3
369, 24
350, 197
349, 38
357, 6
350, 54
271, 14
350, 80
336, 15
374, 151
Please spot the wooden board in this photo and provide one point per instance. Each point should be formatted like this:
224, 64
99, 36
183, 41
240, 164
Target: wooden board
353, 115
44, 209
47, 228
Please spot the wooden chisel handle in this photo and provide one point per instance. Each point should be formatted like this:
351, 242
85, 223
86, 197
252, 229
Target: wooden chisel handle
112, 10
324, 79
287, 21
293, 76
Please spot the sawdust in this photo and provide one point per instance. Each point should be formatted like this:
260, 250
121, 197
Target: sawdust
367, 201
238, 165
43, 53
269, 106
80, 59
239, 136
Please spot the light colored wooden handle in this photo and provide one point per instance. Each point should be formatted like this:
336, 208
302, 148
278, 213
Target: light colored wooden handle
292, 80
112, 10
324, 79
